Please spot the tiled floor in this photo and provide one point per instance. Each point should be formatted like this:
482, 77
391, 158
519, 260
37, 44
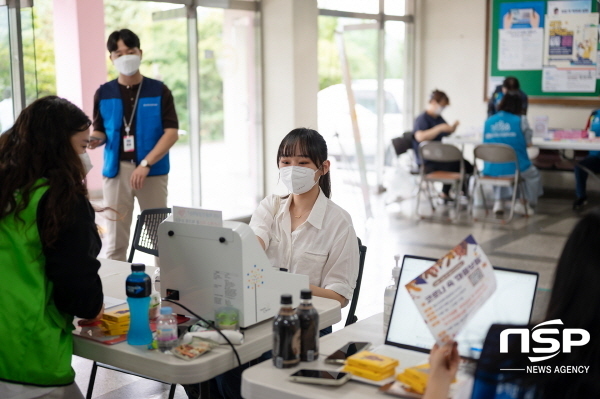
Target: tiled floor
527, 243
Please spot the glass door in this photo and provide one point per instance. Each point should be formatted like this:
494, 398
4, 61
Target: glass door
6, 102
230, 145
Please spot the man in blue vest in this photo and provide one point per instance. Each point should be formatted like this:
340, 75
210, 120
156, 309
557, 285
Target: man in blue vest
135, 117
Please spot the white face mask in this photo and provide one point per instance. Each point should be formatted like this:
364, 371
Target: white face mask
298, 179
128, 64
86, 161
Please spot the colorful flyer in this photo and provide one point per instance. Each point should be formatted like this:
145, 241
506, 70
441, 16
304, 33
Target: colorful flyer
450, 292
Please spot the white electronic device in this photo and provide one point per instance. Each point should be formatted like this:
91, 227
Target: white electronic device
213, 267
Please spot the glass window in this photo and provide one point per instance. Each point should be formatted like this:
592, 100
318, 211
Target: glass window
364, 6
6, 104
165, 58
395, 7
228, 111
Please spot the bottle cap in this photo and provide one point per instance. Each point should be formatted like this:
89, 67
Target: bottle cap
166, 310
138, 267
286, 299
306, 294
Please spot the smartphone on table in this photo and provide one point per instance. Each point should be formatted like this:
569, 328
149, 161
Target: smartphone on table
340, 356
322, 377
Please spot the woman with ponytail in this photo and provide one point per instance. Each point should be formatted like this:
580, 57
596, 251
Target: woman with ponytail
305, 232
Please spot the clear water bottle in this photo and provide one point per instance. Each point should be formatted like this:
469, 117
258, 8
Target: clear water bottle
166, 329
309, 327
286, 336
138, 287
390, 294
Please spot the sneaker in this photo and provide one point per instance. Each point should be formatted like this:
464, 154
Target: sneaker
498, 207
523, 208
579, 203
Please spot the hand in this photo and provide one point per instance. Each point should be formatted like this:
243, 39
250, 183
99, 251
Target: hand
507, 22
534, 21
138, 176
95, 319
96, 140
444, 362
454, 126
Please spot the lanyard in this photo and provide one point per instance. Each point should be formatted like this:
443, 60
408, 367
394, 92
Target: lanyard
137, 96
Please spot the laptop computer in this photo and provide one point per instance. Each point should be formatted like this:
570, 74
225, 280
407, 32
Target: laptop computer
408, 338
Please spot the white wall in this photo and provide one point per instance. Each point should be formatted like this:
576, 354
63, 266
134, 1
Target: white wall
451, 36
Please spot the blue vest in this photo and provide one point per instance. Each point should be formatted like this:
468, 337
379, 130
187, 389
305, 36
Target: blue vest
505, 128
148, 125
595, 127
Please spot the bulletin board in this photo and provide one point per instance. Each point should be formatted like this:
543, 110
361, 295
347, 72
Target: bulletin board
514, 21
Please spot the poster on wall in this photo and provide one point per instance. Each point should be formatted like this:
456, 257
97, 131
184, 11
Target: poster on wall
521, 36
569, 7
570, 53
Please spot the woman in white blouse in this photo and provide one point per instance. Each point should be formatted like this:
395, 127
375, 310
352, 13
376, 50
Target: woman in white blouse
305, 232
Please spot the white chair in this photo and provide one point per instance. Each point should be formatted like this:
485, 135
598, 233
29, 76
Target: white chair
496, 153
437, 152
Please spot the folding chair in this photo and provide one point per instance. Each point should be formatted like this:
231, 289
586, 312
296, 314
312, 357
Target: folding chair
145, 238
438, 152
362, 250
496, 153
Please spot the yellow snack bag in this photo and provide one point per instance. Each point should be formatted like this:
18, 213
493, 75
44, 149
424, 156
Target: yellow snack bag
116, 316
369, 374
372, 361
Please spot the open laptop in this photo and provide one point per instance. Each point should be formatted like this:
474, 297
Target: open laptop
409, 340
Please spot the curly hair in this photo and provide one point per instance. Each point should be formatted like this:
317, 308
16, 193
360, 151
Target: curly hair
38, 146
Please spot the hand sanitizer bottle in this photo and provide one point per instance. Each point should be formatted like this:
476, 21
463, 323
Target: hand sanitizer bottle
390, 294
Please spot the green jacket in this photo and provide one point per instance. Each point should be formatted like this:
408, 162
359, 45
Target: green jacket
36, 344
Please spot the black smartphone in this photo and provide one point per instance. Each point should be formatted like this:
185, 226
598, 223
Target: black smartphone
322, 377
340, 356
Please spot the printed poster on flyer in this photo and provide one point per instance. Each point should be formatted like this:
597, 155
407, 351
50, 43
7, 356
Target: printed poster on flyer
521, 36
450, 292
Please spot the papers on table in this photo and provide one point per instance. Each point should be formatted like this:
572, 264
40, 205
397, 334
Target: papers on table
197, 216
450, 292
110, 302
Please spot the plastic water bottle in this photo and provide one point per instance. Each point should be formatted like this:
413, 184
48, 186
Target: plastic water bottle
309, 327
166, 329
138, 287
390, 294
286, 336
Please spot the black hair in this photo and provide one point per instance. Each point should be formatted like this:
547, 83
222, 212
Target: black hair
38, 146
511, 102
438, 96
310, 144
130, 39
511, 83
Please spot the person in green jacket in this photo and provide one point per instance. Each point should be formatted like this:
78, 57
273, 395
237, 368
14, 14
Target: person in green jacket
48, 248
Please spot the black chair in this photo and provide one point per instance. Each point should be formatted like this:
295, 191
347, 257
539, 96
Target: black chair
362, 251
145, 238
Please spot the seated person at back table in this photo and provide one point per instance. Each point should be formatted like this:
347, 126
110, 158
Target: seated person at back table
430, 126
591, 162
510, 84
509, 127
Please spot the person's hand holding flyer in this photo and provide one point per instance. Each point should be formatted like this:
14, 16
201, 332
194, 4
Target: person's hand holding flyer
450, 292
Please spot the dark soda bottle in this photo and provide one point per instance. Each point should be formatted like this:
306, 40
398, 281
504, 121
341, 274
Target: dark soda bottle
138, 287
286, 335
309, 327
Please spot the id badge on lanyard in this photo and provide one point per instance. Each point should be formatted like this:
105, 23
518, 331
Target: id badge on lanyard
128, 144
128, 140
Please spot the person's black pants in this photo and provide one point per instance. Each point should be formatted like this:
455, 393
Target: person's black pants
431, 166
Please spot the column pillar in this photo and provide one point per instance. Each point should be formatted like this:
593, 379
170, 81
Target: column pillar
80, 53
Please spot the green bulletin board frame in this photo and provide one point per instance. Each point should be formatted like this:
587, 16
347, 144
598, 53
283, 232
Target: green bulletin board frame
531, 81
